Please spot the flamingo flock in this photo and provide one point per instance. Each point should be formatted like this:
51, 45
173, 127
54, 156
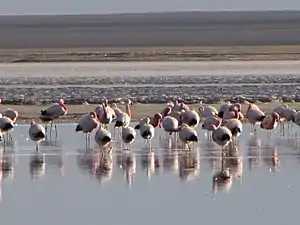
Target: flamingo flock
223, 126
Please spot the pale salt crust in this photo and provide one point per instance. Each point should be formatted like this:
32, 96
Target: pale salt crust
84, 69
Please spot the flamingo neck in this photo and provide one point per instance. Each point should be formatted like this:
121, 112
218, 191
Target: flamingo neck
157, 122
166, 112
236, 114
63, 106
104, 111
273, 121
249, 107
128, 110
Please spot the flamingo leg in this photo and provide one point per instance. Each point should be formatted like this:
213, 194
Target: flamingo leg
36, 146
55, 131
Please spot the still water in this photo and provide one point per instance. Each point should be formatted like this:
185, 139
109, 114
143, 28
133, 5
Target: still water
162, 187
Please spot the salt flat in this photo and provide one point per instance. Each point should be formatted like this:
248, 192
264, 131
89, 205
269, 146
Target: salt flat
85, 69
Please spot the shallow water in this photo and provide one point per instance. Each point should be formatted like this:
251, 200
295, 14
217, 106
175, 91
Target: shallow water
151, 188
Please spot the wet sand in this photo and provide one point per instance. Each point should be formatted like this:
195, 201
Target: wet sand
27, 112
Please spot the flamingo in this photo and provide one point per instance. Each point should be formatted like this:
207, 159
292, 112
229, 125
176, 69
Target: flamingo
223, 108
105, 113
87, 124
254, 115
128, 135
210, 123
296, 118
187, 135
146, 131
190, 117
12, 114
235, 126
231, 112
118, 113
288, 115
170, 124
280, 110
222, 136
155, 121
36, 133
102, 137
207, 111
117, 110
124, 119
6, 125
52, 113
270, 122
167, 110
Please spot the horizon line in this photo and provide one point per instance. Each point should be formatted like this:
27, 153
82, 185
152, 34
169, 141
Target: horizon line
151, 12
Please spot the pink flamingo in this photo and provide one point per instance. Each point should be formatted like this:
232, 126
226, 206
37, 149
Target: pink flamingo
52, 113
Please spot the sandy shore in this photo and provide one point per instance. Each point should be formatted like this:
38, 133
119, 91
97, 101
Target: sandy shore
127, 54
27, 112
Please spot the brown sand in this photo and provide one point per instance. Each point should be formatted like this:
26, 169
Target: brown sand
27, 112
192, 53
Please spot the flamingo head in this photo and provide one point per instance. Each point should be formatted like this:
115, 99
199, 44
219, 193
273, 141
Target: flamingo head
201, 109
32, 122
105, 102
62, 103
147, 120
238, 106
128, 102
93, 115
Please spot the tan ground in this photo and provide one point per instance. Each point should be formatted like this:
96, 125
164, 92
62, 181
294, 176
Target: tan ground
139, 110
192, 53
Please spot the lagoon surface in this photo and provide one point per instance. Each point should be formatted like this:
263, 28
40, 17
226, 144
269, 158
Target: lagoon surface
150, 187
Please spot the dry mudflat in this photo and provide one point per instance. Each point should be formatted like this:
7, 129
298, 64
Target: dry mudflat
27, 112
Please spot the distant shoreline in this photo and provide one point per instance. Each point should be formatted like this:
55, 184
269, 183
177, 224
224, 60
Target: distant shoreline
144, 54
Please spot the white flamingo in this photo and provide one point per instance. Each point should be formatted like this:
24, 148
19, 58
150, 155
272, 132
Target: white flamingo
235, 126
6, 125
296, 118
87, 124
187, 135
190, 117
12, 114
36, 133
52, 113
146, 131
222, 136
102, 137
128, 135
170, 124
